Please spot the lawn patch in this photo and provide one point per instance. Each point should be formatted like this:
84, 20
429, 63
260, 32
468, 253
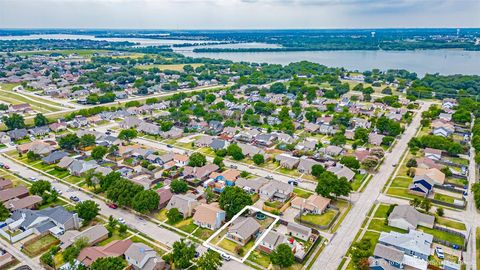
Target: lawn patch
36, 247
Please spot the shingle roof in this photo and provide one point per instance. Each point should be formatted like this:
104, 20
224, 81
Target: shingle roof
245, 228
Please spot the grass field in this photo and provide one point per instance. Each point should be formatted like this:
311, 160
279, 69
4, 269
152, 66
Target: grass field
175, 67
35, 102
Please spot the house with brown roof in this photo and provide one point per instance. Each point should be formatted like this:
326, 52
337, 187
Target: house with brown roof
165, 195
315, 204
29, 202
4, 184
209, 216
200, 173
115, 248
94, 235
428, 163
58, 126
12, 193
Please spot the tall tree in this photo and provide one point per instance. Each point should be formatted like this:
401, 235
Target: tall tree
98, 152
282, 256
197, 160
4, 213
87, 210
183, 253
40, 120
145, 201
210, 260
14, 121
69, 141
110, 263
127, 134
233, 200
87, 140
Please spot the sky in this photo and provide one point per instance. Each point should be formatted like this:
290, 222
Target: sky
238, 14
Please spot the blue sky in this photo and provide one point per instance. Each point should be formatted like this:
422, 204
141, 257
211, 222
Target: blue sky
238, 14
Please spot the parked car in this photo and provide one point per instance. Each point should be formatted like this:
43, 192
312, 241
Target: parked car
112, 205
226, 257
293, 182
269, 177
57, 190
32, 178
6, 167
439, 252
74, 198
233, 166
169, 146
121, 220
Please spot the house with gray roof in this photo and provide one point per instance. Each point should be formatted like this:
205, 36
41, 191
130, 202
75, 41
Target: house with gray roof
242, 230
275, 190
251, 185
342, 171
299, 231
18, 134
204, 141
183, 203
54, 157
287, 161
407, 217
414, 243
143, 257
93, 235
78, 167
218, 144
39, 131
271, 241
305, 165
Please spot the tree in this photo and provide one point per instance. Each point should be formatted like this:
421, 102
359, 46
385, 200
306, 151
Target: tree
127, 134
415, 202
258, 159
411, 163
218, 161
123, 191
440, 211
388, 126
317, 170
361, 134
426, 204
282, 256
145, 201
110, 263
338, 139
98, 152
209, 260
197, 160
14, 121
174, 215
278, 88
87, 210
69, 141
447, 171
72, 252
235, 152
87, 140
183, 253
40, 120
462, 116
107, 180
32, 156
370, 162
178, 186
378, 152
210, 98
233, 200
39, 187
4, 213
387, 140
350, 162
329, 185
122, 228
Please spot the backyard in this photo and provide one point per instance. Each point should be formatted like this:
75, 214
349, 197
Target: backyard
38, 246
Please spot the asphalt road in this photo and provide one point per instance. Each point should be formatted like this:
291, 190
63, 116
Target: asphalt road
24, 259
333, 253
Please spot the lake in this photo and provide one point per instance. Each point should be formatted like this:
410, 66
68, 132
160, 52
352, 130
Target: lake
445, 62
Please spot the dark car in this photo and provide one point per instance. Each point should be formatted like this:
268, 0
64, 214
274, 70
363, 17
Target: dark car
74, 198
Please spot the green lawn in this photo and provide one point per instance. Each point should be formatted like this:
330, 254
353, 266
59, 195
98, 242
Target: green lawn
321, 220
302, 193
477, 233
444, 198
293, 173
382, 211
357, 181
41, 245
402, 182
59, 173
452, 238
115, 236
203, 233
260, 258
451, 223
380, 226
73, 179
228, 245
137, 239
402, 192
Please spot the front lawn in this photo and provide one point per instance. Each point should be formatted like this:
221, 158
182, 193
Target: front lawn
58, 173
444, 198
39, 246
382, 211
302, 193
321, 220
228, 245
401, 181
260, 258
451, 223
380, 226
203, 233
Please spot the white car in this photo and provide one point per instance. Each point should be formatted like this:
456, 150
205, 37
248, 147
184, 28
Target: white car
32, 178
439, 252
121, 220
226, 257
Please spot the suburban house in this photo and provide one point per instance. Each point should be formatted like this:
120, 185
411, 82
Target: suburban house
305, 165
13, 193
204, 141
94, 235
218, 144
242, 230
250, 150
57, 127
185, 205
42, 148
444, 130
433, 154
427, 163
311, 127
271, 241
413, 243
375, 138
116, 248
252, 185
78, 167
209, 216
407, 217
387, 257
333, 150
55, 220
315, 204
29, 202
287, 161
4, 184
229, 176
276, 190
434, 174
54, 157
143, 257
342, 171
165, 195
200, 173
299, 231
18, 134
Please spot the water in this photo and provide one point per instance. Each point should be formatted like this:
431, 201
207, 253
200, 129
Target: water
445, 62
